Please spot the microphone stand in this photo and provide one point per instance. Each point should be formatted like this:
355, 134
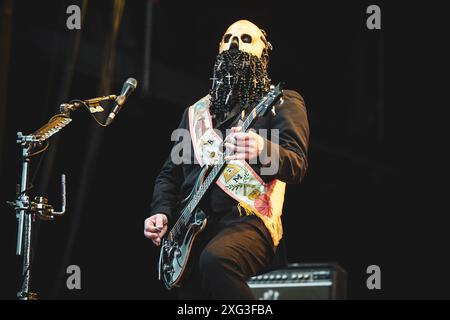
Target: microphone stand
26, 210
24, 217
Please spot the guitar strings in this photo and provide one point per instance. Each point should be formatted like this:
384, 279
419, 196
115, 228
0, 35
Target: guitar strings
186, 212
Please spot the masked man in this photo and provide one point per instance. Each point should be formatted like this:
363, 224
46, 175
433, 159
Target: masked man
243, 236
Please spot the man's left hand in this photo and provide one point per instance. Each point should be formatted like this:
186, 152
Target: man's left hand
243, 145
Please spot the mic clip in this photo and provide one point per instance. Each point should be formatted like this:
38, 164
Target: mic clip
93, 104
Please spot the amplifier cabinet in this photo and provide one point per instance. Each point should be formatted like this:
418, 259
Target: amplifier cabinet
301, 281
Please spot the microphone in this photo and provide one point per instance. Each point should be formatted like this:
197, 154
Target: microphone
127, 89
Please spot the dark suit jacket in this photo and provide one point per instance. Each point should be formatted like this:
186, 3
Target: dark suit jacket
175, 182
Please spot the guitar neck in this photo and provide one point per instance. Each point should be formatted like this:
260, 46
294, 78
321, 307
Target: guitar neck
217, 169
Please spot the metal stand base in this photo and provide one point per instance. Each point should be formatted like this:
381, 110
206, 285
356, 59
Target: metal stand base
26, 296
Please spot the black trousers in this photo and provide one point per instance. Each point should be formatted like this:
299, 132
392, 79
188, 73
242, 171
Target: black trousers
226, 254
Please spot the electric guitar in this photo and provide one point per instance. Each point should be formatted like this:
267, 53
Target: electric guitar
176, 246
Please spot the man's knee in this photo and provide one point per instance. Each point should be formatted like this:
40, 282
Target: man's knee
221, 275
209, 262
213, 263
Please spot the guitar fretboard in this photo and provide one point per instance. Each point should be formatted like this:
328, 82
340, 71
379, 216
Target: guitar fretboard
217, 169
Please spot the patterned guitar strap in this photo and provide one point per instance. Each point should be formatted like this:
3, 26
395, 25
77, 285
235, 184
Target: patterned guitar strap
238, 179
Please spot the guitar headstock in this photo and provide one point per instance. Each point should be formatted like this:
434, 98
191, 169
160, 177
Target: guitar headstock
269, 101
274, 95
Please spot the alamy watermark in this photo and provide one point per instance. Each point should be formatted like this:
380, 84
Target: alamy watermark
73, 281
268, 158
374, 280
373, 21
74, 19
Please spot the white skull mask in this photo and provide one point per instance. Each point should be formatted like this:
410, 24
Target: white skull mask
245, 36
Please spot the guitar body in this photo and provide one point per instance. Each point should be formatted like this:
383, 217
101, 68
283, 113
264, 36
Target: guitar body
174, 255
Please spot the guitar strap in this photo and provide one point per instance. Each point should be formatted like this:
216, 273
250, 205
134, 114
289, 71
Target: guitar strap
238, 179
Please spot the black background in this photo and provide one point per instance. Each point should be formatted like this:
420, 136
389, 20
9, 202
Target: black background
371, 195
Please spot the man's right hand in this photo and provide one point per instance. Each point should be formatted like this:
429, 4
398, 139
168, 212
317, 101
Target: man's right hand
155, 227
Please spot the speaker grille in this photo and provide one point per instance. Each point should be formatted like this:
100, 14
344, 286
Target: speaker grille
308, 281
